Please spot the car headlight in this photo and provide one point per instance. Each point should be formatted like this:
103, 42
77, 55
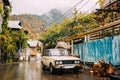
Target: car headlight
58, 62
77, 62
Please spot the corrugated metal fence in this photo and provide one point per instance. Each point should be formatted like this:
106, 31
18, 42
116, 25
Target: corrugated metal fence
107, 49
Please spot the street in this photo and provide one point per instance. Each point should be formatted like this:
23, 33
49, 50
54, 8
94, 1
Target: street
39, 36
33, 71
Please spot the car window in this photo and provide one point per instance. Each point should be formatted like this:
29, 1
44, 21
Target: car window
46, 53
57, 52
64, 52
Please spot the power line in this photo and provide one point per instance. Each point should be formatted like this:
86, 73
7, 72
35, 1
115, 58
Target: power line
67, 13
90, 8
80, 7
73, 7
83, 5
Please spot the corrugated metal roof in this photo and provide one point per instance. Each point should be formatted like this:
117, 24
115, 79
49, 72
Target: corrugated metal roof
14, 24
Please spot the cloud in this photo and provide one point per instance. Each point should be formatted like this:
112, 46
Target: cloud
41, 6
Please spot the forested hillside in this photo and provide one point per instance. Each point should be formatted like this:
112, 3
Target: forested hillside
30, 23
37, 24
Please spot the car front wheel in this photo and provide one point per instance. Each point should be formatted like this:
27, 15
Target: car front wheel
51, 68
76, 70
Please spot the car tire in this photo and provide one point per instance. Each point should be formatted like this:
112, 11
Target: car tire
51, 69
76, 70
43, 66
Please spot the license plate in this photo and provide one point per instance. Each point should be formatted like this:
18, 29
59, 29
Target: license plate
68, 67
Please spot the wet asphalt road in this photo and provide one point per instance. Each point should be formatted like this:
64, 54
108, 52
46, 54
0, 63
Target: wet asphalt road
33, 71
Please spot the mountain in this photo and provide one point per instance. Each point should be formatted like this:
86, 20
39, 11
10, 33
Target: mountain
37, 24
46, 19
30, 23
53, 16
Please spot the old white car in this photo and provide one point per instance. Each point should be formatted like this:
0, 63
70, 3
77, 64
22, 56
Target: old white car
59, 59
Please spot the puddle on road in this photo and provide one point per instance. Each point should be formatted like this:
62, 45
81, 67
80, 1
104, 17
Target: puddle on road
33, 71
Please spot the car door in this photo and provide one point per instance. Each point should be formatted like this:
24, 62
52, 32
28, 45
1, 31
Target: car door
45, 58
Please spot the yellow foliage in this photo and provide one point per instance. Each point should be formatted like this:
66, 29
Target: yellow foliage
101, 3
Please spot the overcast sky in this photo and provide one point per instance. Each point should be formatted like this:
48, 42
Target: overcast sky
43, 6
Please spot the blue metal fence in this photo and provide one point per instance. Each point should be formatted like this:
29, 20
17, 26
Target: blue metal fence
107, 49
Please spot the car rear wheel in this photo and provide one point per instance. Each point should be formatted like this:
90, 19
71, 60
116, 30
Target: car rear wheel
43, 66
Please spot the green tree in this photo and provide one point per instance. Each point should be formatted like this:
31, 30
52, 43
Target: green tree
9, 37
6, 41
79, 23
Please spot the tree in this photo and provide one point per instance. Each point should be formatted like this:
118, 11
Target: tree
6, 40
9, 38
20, 38
70, 26
101, 3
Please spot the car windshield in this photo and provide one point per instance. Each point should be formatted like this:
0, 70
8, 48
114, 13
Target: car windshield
57, 52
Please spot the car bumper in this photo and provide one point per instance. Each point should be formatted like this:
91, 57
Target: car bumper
67, 66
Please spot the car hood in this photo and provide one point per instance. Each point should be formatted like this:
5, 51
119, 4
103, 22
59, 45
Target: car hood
64, 58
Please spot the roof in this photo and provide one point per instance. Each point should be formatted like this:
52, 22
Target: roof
33, 43
14, 24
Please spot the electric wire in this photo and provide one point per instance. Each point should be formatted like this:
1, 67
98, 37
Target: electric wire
90, 8
78, 8
83, 5
69, 11
72, 8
